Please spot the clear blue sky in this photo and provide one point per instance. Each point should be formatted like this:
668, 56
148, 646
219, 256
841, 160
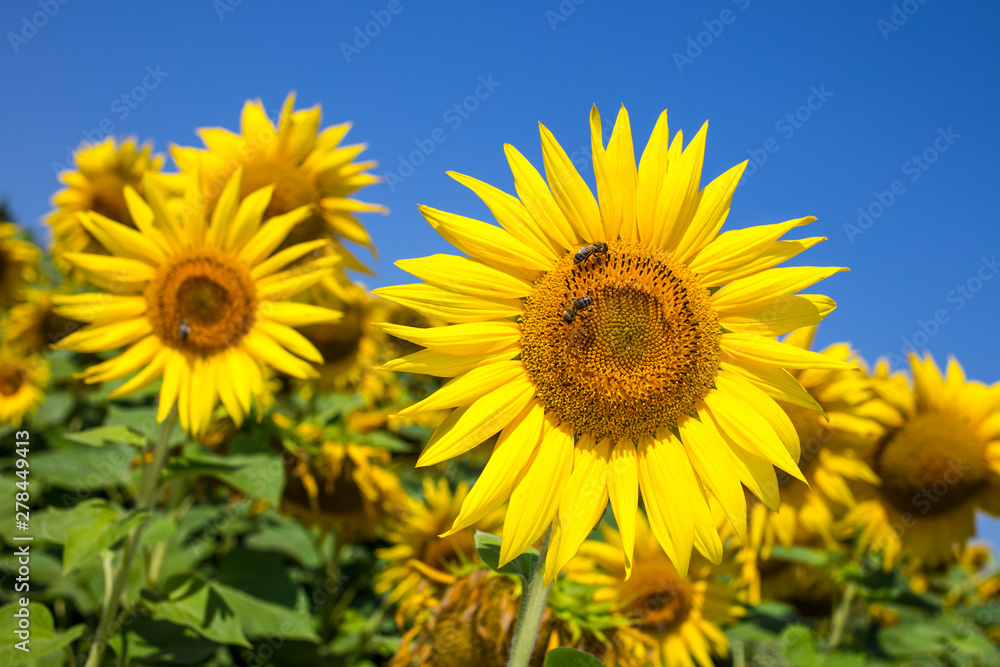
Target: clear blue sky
907, 99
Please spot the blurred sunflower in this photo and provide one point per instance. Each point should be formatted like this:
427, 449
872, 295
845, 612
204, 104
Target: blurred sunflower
22, 384
419, 564
305, 166
618, 344
18, 265
98, 184
674, 621
34, 326
340, 486
939, 462
200, 304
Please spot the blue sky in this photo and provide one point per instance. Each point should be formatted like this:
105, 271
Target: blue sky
877, 117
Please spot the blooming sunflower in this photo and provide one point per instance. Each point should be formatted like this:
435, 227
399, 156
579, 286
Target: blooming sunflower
419, 564
304, 166
342, 486
675, 621
18, 265
198, 303
939, 462
98, 184
22, 383
34, 326
619, 344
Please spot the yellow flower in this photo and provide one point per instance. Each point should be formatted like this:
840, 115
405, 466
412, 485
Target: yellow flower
939, 463
22, 381
18, 265
34, 326
674, 620
342, 486
306, 167
420, 564
98, 184
619, 344
200, 304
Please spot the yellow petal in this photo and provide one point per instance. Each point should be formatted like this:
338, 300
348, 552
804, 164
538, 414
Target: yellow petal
466, 275
98, 338
679, 199
607, 181
763, 405
473, 338
265, 350
713, 462
767, 351
574, 198
440, 364
144, 377
739, 246
621, 163
449, 306
623, 490
538, 200
271, 234
765, 287
298, 314
784, 314
290, 339
467, 387
713, 208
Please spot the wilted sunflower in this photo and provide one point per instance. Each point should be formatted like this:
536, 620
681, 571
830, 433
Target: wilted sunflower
618, 344
305, 166
939, 463
22, 382
341, 486
98, 184
673, 620
200, 304
18, 265
34, 326
420, 564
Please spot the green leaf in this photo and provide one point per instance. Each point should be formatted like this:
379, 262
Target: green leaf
84, 468
912, 640
570, 657
800, 554
488, 546
799, 646
107, 435
54, 409
193, 603
256, 471
93, 526
288, 538
43, 639
142, 420
165, 643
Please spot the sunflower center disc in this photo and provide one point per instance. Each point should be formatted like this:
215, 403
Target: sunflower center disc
10, 381
640, 357
108, 198
931, 465
201, 302
662, 606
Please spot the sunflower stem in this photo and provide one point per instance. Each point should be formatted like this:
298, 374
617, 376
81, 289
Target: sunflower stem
144, 500
532, 608
841, 614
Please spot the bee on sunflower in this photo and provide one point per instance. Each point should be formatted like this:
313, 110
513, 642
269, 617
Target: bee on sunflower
610, 340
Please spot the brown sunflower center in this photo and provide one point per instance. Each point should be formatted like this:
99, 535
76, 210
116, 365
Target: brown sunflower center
637, 354
932, 464
108, 198
661, 603
338, 342
11, 380
202, 301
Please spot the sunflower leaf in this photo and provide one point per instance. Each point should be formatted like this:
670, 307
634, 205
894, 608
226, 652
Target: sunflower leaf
570, 657
488, 547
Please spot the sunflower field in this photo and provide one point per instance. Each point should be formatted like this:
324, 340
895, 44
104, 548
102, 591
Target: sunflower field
598, 433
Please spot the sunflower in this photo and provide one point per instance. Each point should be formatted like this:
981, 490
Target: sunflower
419, 564
939, 462
304, 166
34, 326
18, 265
22, 383
98, 184
673, 620
612, 340
342, 486
200, 304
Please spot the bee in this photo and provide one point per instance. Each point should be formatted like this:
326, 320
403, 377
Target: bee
580, 303
598, 248
184, 328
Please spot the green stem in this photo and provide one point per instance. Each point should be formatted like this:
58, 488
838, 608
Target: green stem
841, 614
144, 500
532, 608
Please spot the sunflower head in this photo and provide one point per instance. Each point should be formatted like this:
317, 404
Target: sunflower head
18, 264
938, 461
23, 378
201, 303
98, 184
303, 165
610, 339
34, 325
